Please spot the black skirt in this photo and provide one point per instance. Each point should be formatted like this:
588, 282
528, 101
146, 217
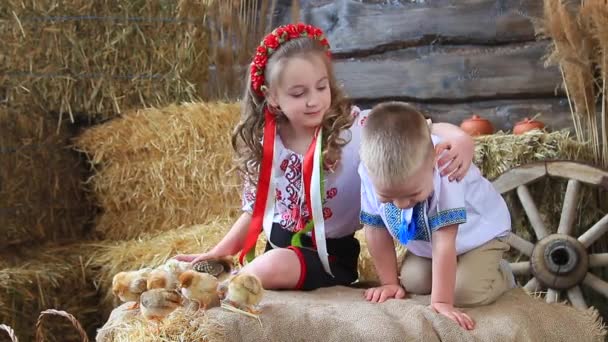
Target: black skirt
343, 259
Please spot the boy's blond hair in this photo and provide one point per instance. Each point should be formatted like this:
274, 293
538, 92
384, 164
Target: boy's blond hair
396, 141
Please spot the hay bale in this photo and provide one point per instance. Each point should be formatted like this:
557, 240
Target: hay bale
500, 152
51, 277
158, 169
151, 251
41, 197
87, 59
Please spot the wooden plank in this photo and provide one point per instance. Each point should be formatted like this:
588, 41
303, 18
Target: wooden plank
355, 26
451, 74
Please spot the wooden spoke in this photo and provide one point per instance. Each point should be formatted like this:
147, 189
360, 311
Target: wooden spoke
595, 232
532, 211
520, 244
575, 296
552, 296
569, 208
520, 268
598, 260
532, 286
596, 283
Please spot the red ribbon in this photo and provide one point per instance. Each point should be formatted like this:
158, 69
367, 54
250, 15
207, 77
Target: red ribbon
257, 220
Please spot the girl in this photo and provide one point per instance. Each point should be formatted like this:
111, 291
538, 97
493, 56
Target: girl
297, 145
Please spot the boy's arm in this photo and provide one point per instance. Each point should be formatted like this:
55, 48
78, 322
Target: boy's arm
382, 250
444, 276
444, 265
459, 150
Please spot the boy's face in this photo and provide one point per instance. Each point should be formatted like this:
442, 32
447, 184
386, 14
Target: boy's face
411, 191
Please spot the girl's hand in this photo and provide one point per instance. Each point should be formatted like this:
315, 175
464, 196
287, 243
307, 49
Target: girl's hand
381, 293
454, 159
194, 258
454, 314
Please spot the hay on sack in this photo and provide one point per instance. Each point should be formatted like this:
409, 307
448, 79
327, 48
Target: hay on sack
158, 169
151, 251
83, 58
41, 197
180, 325
51, 277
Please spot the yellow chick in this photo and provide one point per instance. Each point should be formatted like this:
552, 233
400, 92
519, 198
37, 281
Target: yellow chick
200, 288
167, 276
128, 286
175, 267
156, 304
245, 292
161, 279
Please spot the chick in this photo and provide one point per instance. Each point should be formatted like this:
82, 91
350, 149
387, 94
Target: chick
156, 304
166, 276
217, 267
175, 267
200, 288
161, 279
128, 286
245, 292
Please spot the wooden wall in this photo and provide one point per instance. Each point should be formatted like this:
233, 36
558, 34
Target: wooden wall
451, 58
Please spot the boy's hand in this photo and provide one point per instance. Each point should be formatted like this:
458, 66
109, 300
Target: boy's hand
454, 314
381, 293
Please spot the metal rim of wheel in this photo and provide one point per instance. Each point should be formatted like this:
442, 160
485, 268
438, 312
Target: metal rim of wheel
559, 262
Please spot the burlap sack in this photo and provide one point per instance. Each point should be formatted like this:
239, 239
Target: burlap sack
340, 314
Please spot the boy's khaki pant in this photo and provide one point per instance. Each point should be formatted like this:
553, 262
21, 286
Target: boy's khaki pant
479, 278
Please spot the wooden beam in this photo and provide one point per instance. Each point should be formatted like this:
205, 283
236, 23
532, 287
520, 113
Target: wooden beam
451, 74
354, 26
581, 172
519, 176
504, 114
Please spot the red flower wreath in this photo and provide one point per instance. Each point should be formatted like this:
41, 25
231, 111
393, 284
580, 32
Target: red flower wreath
272, 42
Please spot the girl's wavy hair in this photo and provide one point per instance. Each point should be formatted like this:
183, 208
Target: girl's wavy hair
248, 134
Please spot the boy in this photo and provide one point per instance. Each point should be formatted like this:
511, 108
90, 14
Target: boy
454, 231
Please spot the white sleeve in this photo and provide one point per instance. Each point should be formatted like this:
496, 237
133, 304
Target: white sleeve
451, 207
370, 207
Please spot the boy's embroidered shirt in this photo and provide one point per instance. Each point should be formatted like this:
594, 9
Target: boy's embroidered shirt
472, 203
342, 188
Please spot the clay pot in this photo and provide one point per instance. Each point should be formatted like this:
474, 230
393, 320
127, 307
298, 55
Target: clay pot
527, 125
477, 125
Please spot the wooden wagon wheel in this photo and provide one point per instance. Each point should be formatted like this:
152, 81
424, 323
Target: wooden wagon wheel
558, 262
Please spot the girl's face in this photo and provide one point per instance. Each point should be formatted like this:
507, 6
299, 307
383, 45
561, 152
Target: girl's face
302, 91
